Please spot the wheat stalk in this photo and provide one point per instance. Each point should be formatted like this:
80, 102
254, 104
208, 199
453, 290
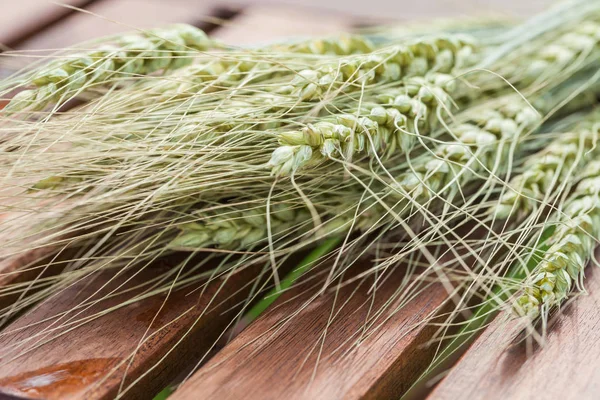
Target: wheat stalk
157, 170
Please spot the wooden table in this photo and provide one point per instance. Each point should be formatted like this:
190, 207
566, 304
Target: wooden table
94, 355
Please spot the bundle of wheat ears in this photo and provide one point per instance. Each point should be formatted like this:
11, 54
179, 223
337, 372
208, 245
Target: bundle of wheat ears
458, 156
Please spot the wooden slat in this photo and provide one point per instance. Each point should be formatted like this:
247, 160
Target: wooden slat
89, 360
22, 268
22, 18
292, 359
115, 16
81, 363
251, 26
497, 365
28, 260
425, 10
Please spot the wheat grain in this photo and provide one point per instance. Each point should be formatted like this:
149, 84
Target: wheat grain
394, 128
243, 229
131, 55
479, 144
389, 124
545, 170
570, 248
440, 54
344, 44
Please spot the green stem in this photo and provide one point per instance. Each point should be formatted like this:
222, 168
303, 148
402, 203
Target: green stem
292, 277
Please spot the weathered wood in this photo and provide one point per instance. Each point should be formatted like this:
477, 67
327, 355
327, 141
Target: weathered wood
498, 366
317, 348
23, 18
254, 24
424, 10
69, 356
109, 17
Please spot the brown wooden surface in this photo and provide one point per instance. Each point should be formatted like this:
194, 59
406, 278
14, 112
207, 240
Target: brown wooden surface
107, 17
64, 356
255, 24
293, 359
497, 365
22, 18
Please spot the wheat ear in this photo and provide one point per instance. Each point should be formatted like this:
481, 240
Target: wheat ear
131, 55
440, 54
565, 156
570, 248
390, 123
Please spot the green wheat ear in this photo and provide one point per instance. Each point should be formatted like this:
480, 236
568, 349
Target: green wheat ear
440, 54
130, 55
563, 157
187, 171
389, 123
571, 248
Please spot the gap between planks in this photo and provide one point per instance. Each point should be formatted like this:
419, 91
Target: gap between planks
311, 346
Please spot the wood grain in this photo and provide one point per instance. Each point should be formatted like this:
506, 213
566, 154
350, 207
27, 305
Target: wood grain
497, 365
250, 27
23, 18
282, 357
56, 351
109, 17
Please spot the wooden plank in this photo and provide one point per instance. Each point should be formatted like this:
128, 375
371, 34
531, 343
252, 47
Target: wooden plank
64, 357
22, 268
498, 366
23, 18
85, 362
277, 357
109, 17
250, 26
424, 10
27, 260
